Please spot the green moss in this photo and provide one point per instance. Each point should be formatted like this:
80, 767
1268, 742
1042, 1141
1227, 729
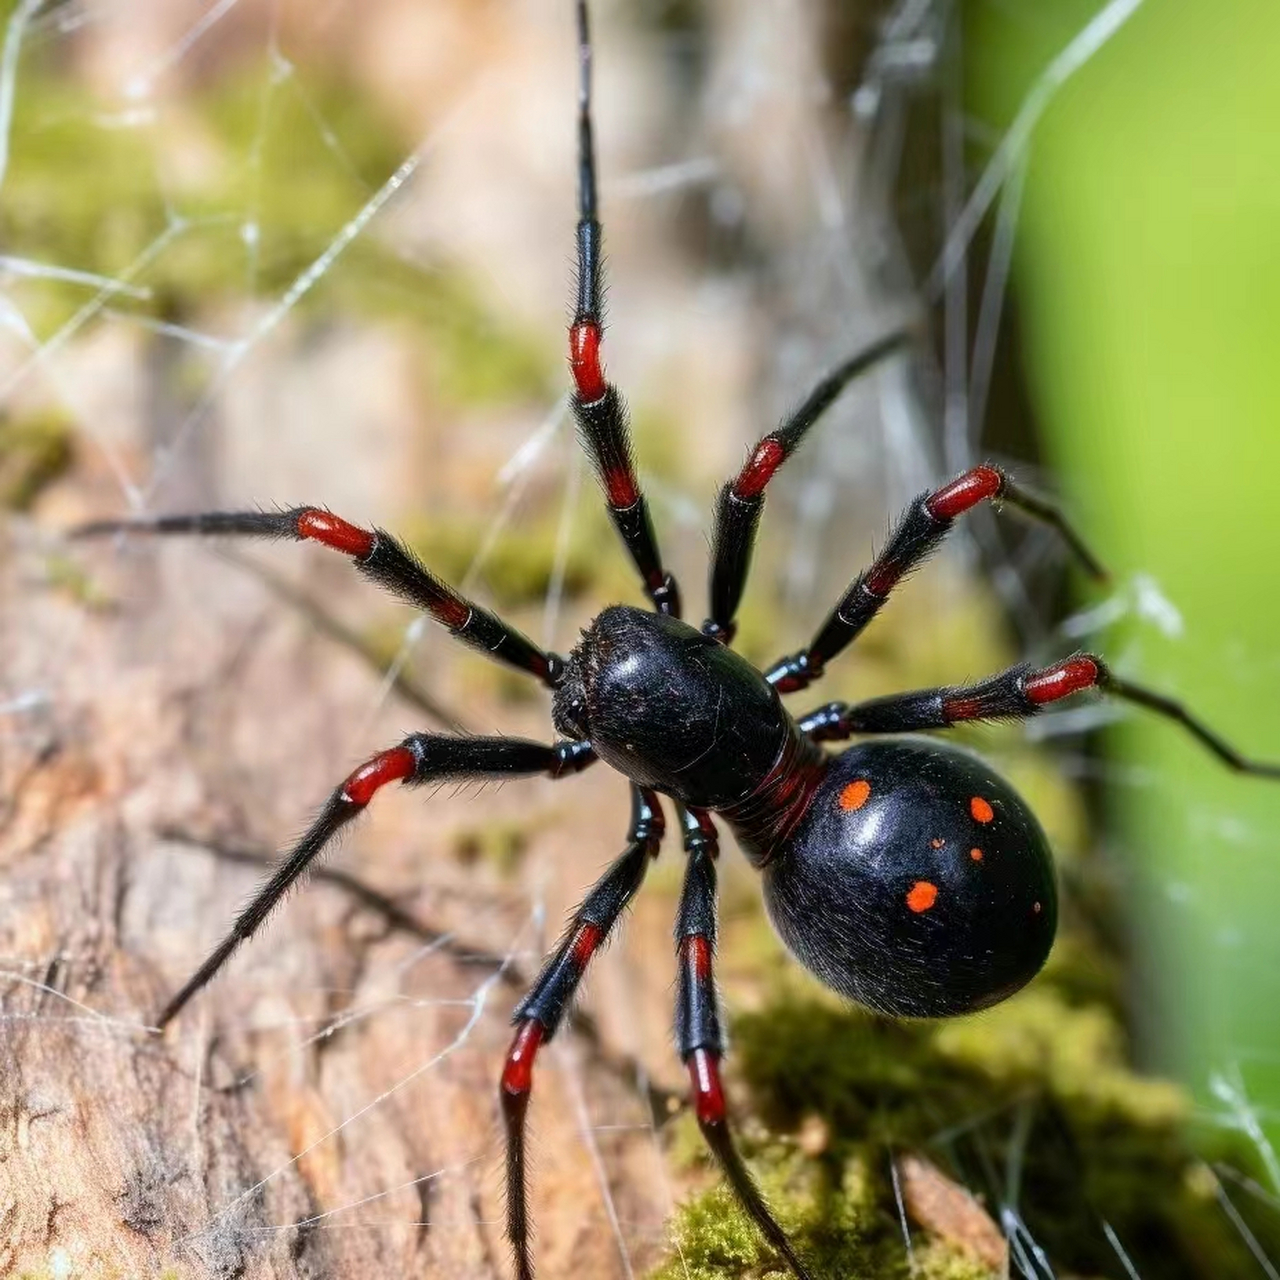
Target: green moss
1040, 1082
34, 452
64, 574
257, 193
518, 568
833, 1212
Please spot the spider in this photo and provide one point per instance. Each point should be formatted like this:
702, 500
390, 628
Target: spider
902, 872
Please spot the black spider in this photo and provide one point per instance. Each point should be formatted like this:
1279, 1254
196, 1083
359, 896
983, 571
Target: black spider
905, 874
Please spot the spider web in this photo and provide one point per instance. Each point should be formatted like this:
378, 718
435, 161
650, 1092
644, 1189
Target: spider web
232, 313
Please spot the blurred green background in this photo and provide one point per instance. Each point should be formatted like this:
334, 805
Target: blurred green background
1147, 273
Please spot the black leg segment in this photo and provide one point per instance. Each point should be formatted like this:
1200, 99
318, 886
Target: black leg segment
538, 1015
917, 534
377, 556
420, 758
741, 501
698, 1033
598, 409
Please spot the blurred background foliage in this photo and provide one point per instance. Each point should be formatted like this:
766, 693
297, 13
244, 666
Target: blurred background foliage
1146, 279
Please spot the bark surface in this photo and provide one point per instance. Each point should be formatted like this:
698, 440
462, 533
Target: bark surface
327, 1107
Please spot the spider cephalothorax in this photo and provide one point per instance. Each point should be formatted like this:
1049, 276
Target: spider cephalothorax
904, 873
633, 669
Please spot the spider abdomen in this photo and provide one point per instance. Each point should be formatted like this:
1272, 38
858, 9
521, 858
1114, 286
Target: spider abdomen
917, 883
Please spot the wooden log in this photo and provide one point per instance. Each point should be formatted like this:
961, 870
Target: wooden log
327, 1107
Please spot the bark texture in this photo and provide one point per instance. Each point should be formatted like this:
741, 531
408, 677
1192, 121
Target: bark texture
327, 1107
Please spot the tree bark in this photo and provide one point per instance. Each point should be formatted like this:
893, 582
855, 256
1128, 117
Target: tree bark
327, 1106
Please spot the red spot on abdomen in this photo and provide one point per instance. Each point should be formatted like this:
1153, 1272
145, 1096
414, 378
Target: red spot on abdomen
333, 531
981, 810
769, 455
922, 896
391, 766
1061, 680
976, 854
517, 1075
854, 796
967, 491
584, 361
708, 1092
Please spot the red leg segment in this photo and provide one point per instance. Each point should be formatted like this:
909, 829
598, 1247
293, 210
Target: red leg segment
961, 495
584, 364
333, 531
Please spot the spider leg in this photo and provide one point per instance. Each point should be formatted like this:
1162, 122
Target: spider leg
538, 1015
741, 501
377, 556
598, 408
1016, 694
420, 758
917, 534
700, 1040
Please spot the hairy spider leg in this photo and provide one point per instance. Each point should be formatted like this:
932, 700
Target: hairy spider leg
377, 556
917, 534
1016, 694
420, 758
538, 1015
698, 1034
741, 501
599, 410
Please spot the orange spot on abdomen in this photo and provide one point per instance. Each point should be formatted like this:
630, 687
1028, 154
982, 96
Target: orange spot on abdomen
854, 796
981, 809
976, 854
922, 896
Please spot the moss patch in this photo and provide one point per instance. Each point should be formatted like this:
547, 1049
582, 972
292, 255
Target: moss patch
253, 193
34, 452
1030, 1104
519, 567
